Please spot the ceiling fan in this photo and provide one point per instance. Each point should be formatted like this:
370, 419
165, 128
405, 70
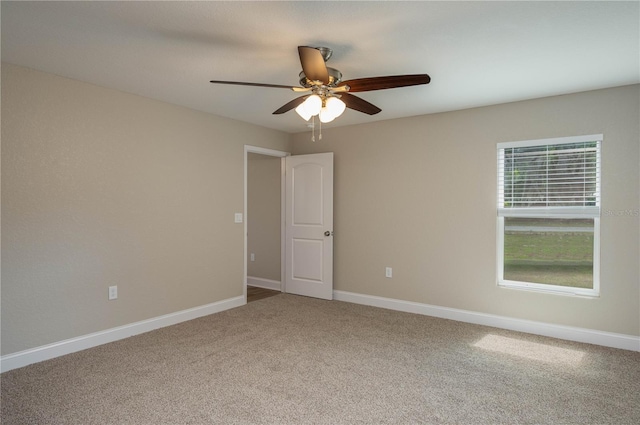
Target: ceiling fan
326, 94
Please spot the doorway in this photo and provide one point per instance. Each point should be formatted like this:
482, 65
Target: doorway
264, 220
306, 223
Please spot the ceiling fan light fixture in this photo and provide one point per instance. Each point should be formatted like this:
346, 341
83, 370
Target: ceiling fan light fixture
302, 111
312, 105
335, 106
332, 109
326, 115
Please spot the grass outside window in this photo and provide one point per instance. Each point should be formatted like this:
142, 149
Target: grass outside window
549, 251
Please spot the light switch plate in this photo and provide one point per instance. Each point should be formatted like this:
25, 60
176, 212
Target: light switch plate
238, 218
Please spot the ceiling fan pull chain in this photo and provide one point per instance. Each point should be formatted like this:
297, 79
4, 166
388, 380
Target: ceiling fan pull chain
320, 131
313, 129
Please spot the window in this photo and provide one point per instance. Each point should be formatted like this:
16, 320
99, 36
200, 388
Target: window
549, 214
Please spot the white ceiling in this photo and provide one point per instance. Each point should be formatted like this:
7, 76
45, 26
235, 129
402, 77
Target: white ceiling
477, 53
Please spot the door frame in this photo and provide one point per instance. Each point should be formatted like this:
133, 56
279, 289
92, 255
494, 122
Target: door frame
279, 154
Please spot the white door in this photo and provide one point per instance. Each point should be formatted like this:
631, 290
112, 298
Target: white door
309, 225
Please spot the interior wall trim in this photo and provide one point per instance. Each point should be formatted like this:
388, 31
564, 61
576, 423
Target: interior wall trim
589, 336
61, 348
68, 346
264, 283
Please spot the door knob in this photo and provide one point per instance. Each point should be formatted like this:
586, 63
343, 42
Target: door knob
328, 233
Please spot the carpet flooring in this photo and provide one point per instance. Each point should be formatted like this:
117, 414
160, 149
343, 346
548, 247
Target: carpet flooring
296, 360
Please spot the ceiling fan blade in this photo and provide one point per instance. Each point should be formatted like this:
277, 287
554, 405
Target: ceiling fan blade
290, 105
240, 83
381, 83
313, 64
358, 104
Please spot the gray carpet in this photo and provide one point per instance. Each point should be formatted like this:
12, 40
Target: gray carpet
297, 360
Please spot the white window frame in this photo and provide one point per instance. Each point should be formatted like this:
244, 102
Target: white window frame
591, 212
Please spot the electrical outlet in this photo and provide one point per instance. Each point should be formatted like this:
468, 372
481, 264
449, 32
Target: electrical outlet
253, 257
113, 292
388, 272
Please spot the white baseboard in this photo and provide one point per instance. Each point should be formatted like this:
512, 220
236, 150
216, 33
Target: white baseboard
264, 283
50, 351
590, 336
56, 349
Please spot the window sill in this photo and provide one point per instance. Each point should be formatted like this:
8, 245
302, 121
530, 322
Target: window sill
550, 289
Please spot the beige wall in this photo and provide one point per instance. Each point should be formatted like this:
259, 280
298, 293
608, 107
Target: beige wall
419, 195
103, 188
263, 216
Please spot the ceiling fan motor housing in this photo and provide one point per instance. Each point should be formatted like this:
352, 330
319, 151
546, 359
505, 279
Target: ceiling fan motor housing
326, 52
335, 77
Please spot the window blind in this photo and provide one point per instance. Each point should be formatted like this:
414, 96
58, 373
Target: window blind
559, 176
